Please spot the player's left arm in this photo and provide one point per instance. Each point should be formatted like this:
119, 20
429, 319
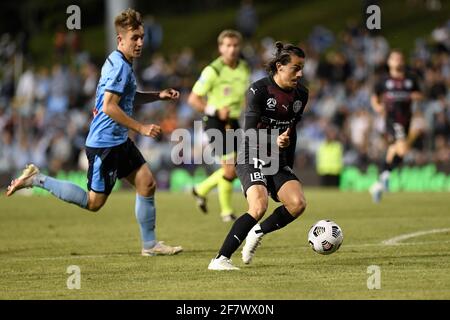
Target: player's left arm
417, 96
147, 97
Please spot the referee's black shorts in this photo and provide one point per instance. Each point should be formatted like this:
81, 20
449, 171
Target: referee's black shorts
228, 147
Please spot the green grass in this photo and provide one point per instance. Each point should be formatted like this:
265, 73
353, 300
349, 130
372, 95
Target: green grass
41, 236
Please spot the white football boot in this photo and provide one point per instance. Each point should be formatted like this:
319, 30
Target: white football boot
252, 242
161, 249
221, 263
24, 181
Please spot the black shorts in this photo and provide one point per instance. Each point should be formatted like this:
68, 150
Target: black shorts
250, 176
397, 131
222, 126
106, 165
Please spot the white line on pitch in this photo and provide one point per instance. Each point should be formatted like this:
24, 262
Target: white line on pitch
396, 240
69, 257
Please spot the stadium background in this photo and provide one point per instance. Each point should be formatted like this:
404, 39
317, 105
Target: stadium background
48, 77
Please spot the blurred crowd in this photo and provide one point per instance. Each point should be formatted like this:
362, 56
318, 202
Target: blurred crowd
45, 112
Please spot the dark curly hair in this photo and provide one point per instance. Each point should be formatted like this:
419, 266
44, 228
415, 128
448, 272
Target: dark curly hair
283, 56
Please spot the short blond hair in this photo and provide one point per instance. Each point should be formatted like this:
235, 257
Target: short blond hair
229, 33
127, 19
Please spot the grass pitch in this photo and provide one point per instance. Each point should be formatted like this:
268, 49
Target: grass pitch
40, 237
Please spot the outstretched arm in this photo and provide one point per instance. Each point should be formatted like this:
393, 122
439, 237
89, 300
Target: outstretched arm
147, 97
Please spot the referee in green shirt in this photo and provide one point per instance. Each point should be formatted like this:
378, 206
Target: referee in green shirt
219, 93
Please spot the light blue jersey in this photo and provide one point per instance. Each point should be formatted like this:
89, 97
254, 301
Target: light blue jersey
117, 77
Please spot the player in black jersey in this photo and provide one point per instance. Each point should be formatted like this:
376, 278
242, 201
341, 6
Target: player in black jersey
274, 106
392, 98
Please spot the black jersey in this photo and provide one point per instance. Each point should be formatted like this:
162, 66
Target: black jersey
271, 107
395, 93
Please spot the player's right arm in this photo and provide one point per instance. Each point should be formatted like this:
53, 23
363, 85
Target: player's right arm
197, 98
376, 103
114, 111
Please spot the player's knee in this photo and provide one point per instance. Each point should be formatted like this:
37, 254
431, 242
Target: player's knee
229, 174
296, 206
151, 186
148, 188
258, 209
94, 206
402, 151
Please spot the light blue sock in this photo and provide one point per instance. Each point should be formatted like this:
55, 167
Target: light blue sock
63, 190
146, 216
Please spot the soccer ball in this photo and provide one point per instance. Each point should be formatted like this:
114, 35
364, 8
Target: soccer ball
325, 237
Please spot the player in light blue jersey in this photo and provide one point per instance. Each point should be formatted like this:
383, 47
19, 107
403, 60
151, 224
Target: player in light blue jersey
110, 152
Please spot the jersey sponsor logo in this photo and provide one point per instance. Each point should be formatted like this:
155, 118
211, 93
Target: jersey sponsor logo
271, 104
257, 176
398, 95
253, 90
297, 106
276, 124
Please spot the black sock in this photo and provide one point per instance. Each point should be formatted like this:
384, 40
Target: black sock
386, 167
277, 220
237, 235
396, 162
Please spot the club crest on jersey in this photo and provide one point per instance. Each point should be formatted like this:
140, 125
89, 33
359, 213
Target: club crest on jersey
271, 103
408, 84
390, 84
226, 91
297, 106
